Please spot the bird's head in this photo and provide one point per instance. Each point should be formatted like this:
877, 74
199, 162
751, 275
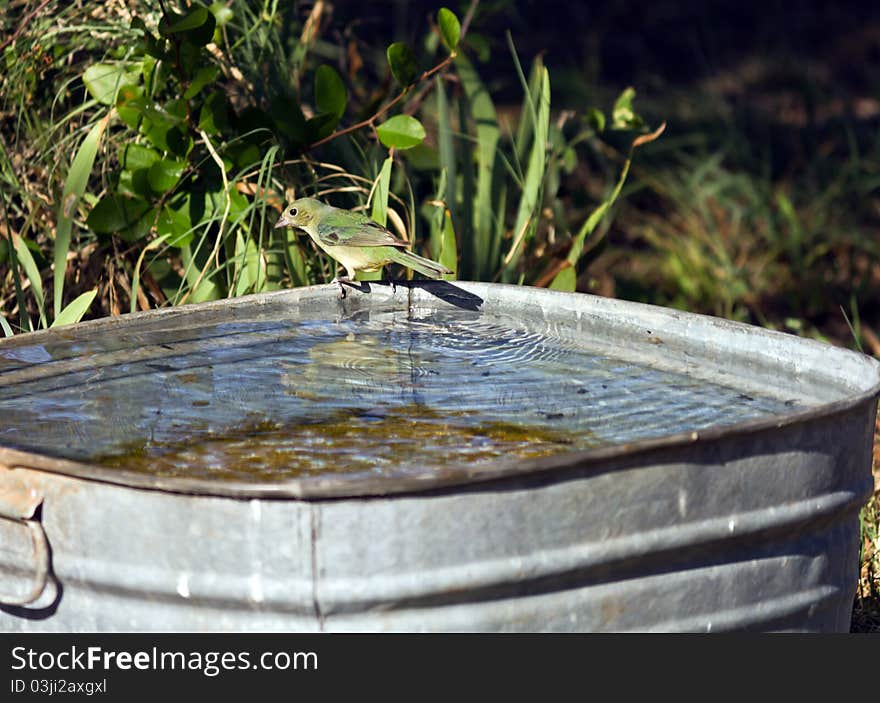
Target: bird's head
300, 213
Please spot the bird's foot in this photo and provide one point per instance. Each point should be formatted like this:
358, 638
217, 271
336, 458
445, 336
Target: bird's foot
391, 283
341, 281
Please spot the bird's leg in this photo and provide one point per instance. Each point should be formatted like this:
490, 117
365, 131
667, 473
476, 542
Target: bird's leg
342, 280
390, 282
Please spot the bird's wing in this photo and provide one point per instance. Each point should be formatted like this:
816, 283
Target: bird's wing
357, 231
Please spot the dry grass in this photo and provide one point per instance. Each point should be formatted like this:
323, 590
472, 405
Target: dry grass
866, 610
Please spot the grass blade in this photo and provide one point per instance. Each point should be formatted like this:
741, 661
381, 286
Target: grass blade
77, 308
448, 247
379, 199
530, 201
446, 150
26, 260
201, 287
566, 279
379, 210
296, 260
488, 134
24, 318
136, 276
74, 187
434, 215
4, 325
528, 113
249, 264
465, 207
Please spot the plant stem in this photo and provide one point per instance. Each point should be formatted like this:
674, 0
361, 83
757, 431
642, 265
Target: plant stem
370, 122
22, 25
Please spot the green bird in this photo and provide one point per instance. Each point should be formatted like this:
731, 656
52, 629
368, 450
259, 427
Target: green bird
353, 239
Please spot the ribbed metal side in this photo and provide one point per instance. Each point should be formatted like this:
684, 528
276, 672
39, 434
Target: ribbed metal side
752, 526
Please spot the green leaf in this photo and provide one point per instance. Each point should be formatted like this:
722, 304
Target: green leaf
204, 76
155, 47
423, 158
196, 26
178, 141
243, 154
623, 116
131, 106
75, 310
450, 27
569, 160
103, 80
238, 203
330, 93
565, 280
215, 203
189, 55
596, 119
214, 117
174, 225
134, 184
401, 132
403, 63
164, 175
320, 126
136, 156
173, 23
222, 13
74, 187
114, 213
284, 115
480, 46
176, 109
162, 126
139, 229
4, 325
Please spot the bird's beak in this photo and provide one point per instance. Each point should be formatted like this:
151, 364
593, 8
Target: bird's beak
282, 222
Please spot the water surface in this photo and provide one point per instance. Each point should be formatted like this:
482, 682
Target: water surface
384, 393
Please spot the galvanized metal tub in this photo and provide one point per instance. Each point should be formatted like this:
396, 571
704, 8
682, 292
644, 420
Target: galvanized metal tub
746, 524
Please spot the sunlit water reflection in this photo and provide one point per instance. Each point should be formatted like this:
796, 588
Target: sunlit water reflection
385, 393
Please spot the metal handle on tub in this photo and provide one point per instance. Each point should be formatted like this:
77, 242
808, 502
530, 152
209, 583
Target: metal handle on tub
18, 504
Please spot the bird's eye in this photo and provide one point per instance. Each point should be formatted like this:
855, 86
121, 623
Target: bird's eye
293, 212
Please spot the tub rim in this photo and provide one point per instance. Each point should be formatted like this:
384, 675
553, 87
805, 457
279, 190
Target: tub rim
335, 487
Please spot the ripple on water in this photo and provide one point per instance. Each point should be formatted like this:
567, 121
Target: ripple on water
383, 393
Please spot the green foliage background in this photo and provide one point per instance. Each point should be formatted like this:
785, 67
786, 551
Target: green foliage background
170, 136
146, 150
